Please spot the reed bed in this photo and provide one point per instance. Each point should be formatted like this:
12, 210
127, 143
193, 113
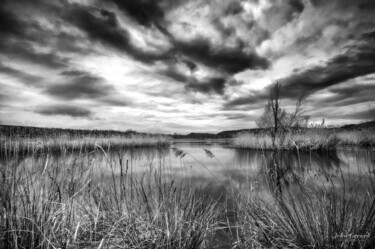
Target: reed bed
306, 140
88, 143
364, 137
308, 218
48, 204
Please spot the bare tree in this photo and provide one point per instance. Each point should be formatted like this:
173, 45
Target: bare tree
276, 118
266, 119
297, 115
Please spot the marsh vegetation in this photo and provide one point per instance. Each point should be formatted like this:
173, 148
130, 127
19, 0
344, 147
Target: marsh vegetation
18, 139
187, 197
305, 139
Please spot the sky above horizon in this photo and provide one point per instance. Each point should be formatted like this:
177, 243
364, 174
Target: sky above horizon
178, 66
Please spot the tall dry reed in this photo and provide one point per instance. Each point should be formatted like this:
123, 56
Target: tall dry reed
335, 214
299, 140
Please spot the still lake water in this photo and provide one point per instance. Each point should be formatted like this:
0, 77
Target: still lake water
223, 167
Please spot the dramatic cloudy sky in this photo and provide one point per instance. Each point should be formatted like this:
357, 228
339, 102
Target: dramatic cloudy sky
183, 65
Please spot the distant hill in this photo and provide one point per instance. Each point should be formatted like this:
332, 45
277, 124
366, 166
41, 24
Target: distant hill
222, 134
360, 126
232, 133
195, 135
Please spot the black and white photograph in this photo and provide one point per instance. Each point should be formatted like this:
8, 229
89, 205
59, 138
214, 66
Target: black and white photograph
187, 124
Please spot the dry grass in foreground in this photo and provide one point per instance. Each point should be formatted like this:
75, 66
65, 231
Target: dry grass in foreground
47, 205
308, 217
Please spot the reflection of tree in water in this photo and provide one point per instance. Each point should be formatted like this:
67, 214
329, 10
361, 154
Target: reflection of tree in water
245, 157
363, 157
322, 162
284, 168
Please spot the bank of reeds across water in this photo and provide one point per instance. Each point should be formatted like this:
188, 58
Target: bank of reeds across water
87, 143
311, 139
364, 137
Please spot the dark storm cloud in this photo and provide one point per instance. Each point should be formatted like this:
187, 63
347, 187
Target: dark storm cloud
191, 65
223, 30
17, 36
367, 6
207, 85
84, 86
24, 50
66, 110
228, 116
281, 13
26, 78
242, 101
252, 101
174, 74
17, 25
66, 42
240, 116
116, 100
27, 29
215, 85
9, 23
358, 60
145, 12
350, 94
318, 3
73, 73
233, 8
99, 25
368, 114
102, 25
231, 60
297, 5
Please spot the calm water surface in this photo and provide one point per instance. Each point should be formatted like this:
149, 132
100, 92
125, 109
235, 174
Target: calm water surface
221, 165
224, 167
